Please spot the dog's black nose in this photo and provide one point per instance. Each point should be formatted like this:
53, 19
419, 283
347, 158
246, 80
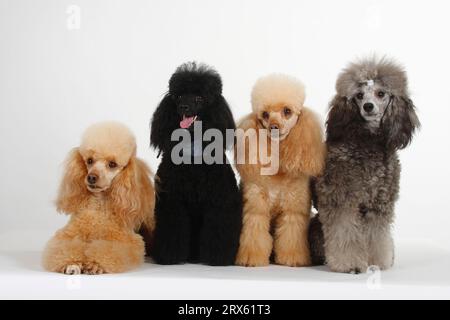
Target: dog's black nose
274, 127
184, 108
92, 179
368, 107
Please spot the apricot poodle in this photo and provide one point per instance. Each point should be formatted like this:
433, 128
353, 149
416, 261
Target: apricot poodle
109, 195
277, 206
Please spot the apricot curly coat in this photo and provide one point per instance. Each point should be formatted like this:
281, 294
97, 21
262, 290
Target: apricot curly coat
100, 236
277, 207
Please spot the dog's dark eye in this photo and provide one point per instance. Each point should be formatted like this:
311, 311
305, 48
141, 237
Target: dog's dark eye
90, 161
112, 164
360, 96
265, 115
381, 94
287, 111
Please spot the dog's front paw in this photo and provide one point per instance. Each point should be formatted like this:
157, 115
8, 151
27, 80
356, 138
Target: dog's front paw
71, 269
349, 269
384, 260
342, 262
247, 258
293, 259
92, 268
384, 265
355, 271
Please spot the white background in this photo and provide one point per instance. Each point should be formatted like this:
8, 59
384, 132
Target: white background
54, 82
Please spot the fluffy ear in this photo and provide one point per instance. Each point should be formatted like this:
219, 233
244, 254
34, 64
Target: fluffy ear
305, 150
147, 195
72, 193
220, 117
132, 195
340, 116
163, 123
247, 169
399, 123
224, 118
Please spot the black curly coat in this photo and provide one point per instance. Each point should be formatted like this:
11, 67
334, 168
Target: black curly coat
198, 207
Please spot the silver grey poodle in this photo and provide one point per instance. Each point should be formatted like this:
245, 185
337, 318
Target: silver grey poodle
370, 118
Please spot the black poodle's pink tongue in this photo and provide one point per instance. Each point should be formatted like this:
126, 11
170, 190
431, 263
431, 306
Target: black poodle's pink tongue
187, 122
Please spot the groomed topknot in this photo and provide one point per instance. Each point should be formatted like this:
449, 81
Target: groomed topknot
385, 71
197, 67
194, 77
109, 138
278, 88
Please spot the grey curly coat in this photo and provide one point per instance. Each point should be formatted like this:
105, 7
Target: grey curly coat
370, 118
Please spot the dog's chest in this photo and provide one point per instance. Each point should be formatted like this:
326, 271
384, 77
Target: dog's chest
366, 166
365, 172
274, 196
96, 224
279, 192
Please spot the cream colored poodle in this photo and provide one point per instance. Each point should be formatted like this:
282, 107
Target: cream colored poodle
109, 195
277, 207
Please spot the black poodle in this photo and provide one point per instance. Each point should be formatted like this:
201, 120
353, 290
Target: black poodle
198, 207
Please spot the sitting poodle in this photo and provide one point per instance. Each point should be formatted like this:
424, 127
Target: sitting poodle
277, 207
370, 118
109, 195
198, 204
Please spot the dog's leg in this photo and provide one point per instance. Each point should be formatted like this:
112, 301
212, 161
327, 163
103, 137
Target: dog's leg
381, 246
64, 254
346, 246
172, 230
256, 241
120, 253
219, 236
379, 220
291, 231
316, 242
291, 240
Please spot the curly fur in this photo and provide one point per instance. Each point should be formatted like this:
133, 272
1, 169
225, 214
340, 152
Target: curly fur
198, 206
100, 236
277, 207
357, 193
274, 88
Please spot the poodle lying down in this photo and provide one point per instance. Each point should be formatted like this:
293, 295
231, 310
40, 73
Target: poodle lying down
109, 195
370, 118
